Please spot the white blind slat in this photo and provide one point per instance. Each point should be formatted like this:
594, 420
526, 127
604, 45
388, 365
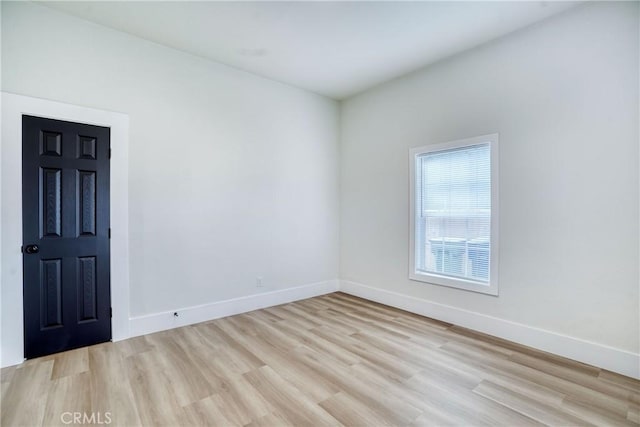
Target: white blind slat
454, 212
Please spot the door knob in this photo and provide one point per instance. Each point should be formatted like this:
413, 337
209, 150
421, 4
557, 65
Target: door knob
32, 249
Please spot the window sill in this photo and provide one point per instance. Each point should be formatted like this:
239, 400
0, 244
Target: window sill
458, 283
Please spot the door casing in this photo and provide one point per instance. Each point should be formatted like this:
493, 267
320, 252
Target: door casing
11, 276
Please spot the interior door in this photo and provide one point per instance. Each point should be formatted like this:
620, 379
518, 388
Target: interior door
65, 202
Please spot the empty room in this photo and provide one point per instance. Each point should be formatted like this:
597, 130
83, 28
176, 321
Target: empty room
331, 213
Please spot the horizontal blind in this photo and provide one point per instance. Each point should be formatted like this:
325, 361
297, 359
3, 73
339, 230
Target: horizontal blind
454, 212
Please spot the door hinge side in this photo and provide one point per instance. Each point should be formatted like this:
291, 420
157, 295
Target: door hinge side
109, 232
110, 311
109, 152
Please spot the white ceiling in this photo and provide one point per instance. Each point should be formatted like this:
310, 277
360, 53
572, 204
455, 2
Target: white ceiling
332, 48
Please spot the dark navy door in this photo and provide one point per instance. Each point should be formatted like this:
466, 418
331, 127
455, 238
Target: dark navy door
65, 202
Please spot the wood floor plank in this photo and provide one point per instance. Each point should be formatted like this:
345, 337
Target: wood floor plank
185, 377
316, 387
242, 402
69, 395
526, 406
329, 319
352, 412
393, 348
510, 368
24, 401
423, 335
208, 411
326, 361
594, 414
350, 306
70, 363
364, 322
436, 418
633, 414
240, 358
497, 343
270, 420
6, 374
291, 312
133, 346
109, 385
392, 311
611, 377
309, 339
288, 400
198, 353
366, 352
153, 394
443, 391
579, 377
382, 401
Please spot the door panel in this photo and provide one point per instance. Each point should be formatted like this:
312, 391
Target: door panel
50, 206
51, 292
65, 186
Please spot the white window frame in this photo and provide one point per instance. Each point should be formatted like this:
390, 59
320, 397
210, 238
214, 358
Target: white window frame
470, 285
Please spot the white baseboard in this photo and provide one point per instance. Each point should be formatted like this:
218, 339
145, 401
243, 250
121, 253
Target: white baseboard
612, 359
150, 323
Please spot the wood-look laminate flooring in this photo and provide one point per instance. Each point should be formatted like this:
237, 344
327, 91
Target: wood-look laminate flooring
325, 361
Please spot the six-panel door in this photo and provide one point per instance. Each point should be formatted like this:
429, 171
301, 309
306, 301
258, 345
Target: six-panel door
65, 200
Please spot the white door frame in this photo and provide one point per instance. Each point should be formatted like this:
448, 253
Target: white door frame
11, 298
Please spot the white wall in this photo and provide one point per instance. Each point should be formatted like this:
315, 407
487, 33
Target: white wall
563, 95
231, 176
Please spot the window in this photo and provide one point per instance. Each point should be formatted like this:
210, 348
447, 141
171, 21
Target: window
454, 225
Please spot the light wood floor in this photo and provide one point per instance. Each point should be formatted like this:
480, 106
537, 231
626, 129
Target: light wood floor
328, 360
